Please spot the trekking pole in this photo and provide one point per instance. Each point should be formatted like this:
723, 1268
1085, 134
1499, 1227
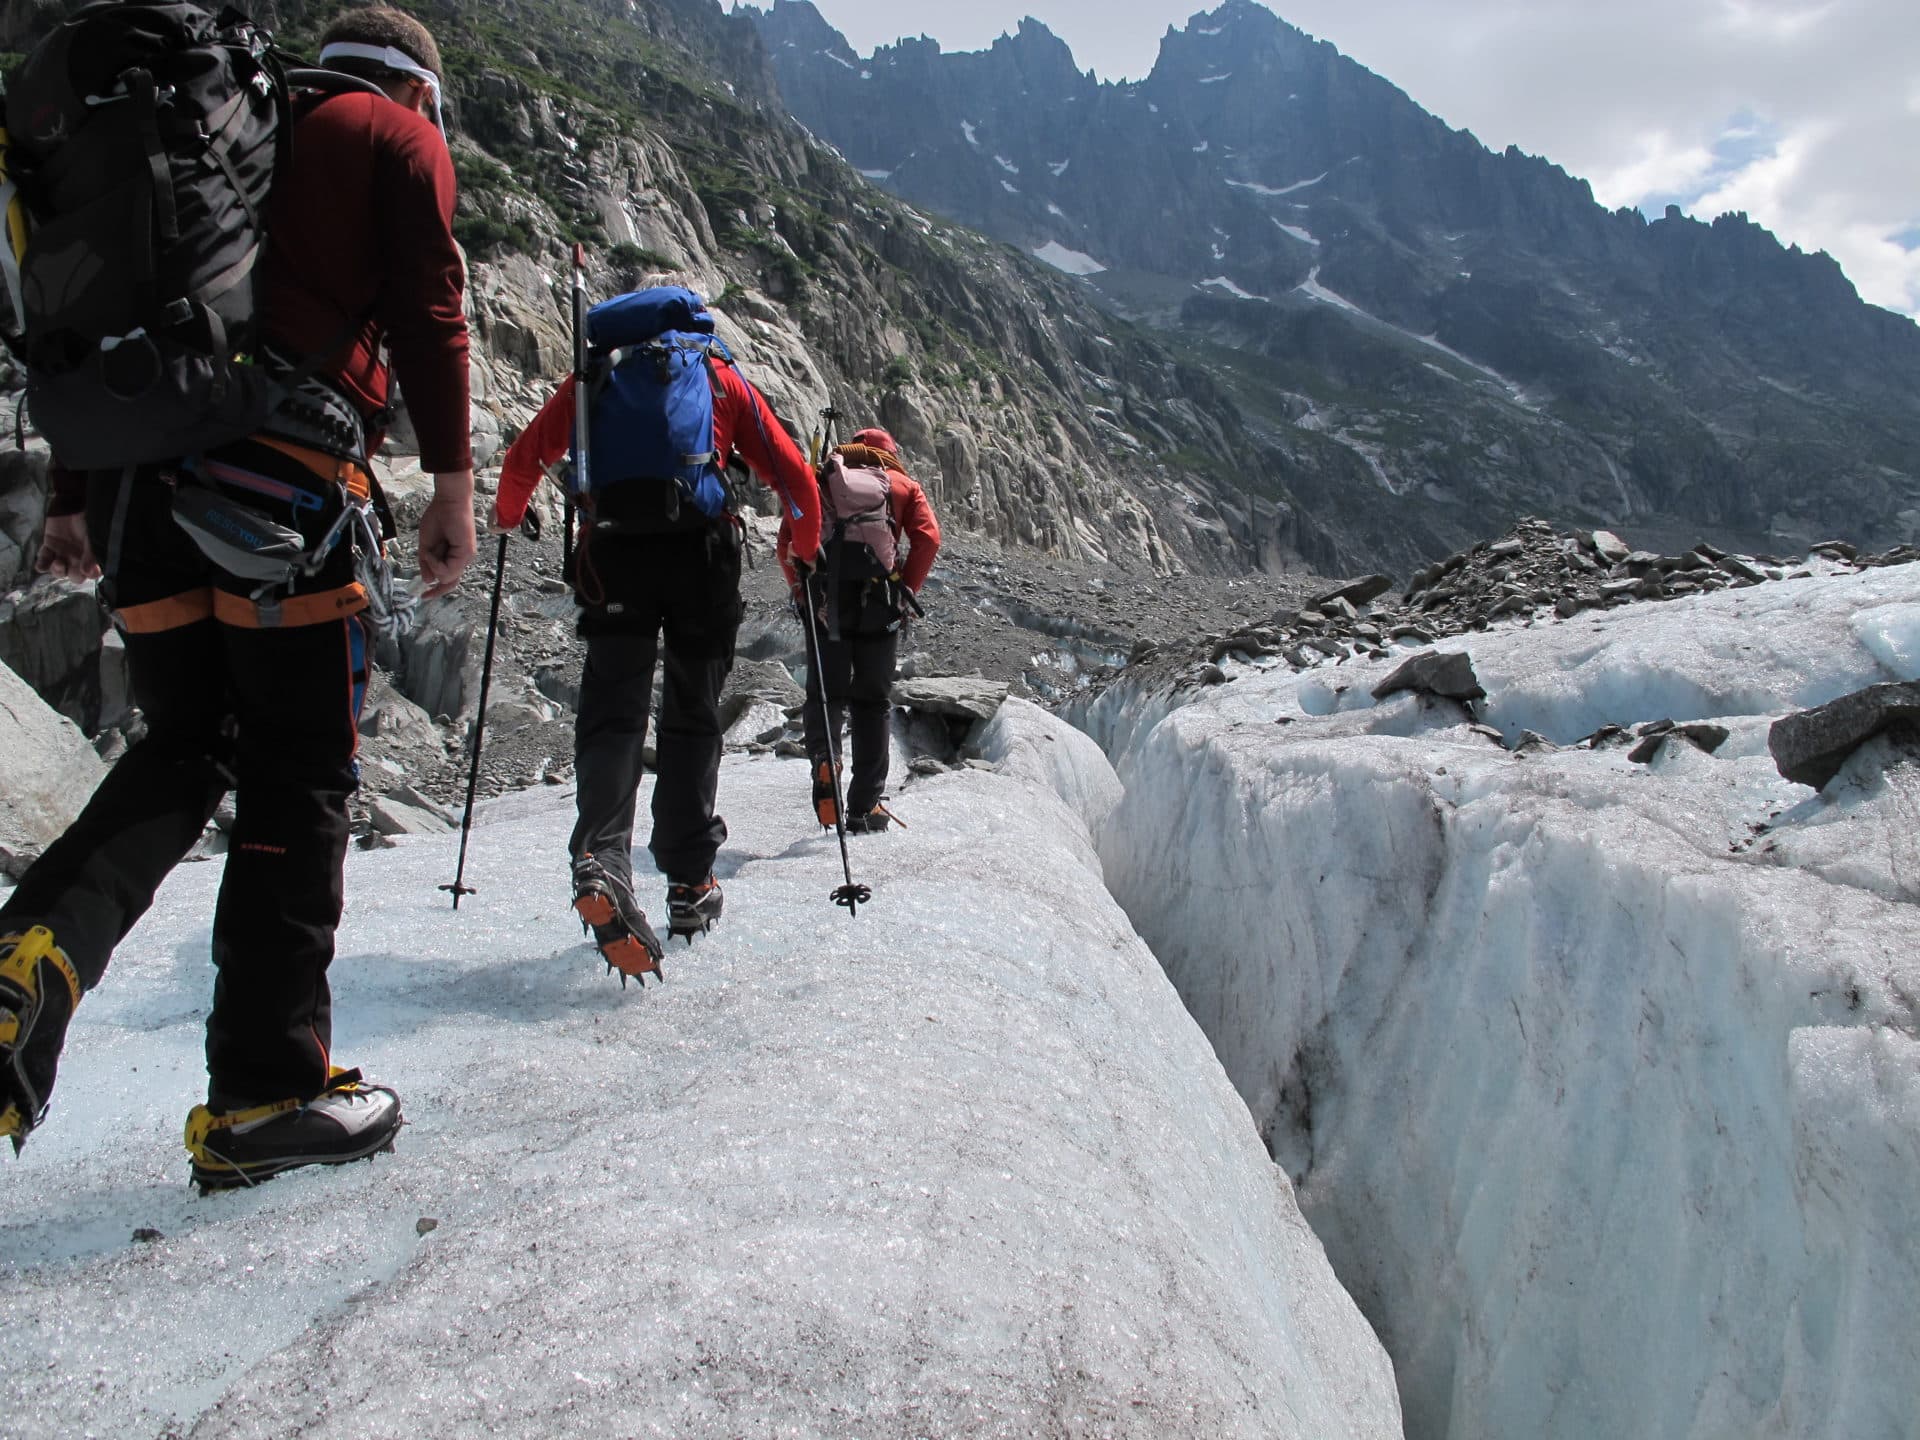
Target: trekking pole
578, 482
479, 727
850, 895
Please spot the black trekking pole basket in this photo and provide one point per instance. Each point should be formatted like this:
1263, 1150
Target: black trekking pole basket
851, 895
479, 727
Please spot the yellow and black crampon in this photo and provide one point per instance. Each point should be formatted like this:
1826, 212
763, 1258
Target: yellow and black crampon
39, 990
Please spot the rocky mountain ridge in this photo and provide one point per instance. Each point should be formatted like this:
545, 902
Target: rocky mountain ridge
1429, 339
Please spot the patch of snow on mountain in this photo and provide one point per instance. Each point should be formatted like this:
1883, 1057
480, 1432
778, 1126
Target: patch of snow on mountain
1053, 209
1600, 1080
1009, 187
1294, 230
1517, 392
878, 174
966, 128
1059, 167
1314, 290
940, 1168
1280, 190
1073, 262
840, 60
1221, 282
1218, 252
1215, 79
1201, 148
1007, 165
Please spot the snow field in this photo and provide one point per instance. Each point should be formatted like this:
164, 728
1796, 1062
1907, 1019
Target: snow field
1606, 1107
959, 1165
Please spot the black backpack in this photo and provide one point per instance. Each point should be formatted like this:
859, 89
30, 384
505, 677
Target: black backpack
143, 139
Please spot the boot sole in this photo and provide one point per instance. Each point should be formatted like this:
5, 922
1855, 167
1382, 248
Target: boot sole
245, 1177
630, 956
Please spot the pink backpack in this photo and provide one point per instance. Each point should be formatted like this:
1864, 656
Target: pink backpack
857, 511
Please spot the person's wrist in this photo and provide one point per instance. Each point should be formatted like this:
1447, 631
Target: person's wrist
453, 486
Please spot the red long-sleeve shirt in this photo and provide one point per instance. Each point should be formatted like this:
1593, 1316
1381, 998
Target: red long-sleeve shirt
360, 228
742, 425
913, 521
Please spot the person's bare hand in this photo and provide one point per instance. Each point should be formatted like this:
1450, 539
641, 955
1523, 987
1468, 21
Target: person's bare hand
65, 551
447, 543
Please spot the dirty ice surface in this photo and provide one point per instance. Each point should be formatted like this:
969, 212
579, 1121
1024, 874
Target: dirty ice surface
959, 1165
1599, 1080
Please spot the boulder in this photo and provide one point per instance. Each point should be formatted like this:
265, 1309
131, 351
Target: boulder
411, 795
1363, 591
1702, 735
50, 637
966, 697
51, 770
393, 816
1447, 674
754, 683
760, 723
1810, 747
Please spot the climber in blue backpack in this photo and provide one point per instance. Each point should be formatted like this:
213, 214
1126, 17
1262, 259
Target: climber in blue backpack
659, 553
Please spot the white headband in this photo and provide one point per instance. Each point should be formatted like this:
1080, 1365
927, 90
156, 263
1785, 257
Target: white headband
393, 59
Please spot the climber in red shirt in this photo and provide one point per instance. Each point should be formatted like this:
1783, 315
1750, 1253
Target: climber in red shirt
648, 564
863, 593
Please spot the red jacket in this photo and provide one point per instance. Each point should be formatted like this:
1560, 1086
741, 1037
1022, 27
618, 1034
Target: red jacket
360, 228
742, 425
912, 516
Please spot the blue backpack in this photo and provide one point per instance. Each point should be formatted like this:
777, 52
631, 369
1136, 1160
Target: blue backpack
649, 397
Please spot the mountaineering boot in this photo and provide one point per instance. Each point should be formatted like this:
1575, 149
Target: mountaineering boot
244, 1145
38, 992
870, 822
693, 909
823, 799
606, 907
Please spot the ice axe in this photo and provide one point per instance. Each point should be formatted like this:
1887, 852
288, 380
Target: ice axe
579, 480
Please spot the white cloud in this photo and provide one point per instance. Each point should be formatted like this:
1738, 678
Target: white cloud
1659, 165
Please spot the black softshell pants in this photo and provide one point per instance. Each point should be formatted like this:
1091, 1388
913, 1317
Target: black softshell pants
685, 588
270, 713
858, 671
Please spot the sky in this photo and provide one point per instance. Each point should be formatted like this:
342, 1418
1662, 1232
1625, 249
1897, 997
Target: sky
1805, 114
